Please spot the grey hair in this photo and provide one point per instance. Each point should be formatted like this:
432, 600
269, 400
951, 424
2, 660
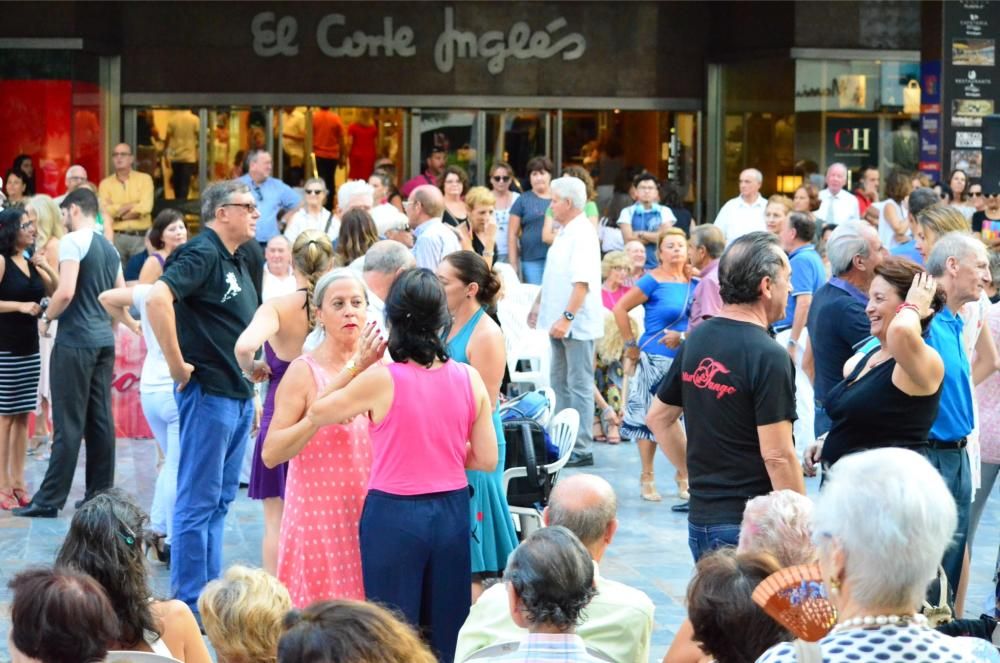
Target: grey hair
589, 523
745, 262
953, 245
710, 238
287, 241
388, 257
837, 164
314, 180
570, 188
896, 498
553, 576
332, 277
759, 176
254, 153
846, 241
994, 258
920, 199
353, 188
217, 195
778, 524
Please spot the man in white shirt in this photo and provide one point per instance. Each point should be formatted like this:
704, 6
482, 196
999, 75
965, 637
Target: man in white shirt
744, 213
431, 239
76, 176
279, 278
384, 262
618, 621
569, 306
836, 204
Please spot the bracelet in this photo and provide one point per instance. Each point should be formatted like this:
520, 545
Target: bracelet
631, 344
908, 305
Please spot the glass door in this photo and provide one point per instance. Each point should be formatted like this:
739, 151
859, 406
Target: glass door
456, 132
516, 136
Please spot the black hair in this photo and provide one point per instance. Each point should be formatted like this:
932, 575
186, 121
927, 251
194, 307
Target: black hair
163, 220
922, 198
10, 225
804, 226
744, 263
105, 541
29, 180
19, 174
471, 268
670, 194
539, 164
83, 198
416, 312
645, 176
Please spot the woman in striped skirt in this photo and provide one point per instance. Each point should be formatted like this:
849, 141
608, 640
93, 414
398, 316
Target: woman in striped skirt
23, 283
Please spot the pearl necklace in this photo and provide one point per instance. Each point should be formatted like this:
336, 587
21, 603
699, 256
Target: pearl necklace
878, 621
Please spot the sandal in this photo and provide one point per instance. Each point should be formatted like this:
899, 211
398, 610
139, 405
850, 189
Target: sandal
8, 501
647, 482
682, 489
21, 495
614, 434
598, 431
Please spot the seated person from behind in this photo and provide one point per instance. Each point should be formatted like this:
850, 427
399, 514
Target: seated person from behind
242, 612
618, 621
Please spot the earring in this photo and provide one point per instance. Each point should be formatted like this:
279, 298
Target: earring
834, 586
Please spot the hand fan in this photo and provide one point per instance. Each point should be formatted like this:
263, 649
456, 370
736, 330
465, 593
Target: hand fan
796, 598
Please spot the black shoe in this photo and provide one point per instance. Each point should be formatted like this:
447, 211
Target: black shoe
683, 507
36, 511
580, 460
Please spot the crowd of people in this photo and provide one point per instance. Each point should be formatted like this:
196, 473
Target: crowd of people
292, 348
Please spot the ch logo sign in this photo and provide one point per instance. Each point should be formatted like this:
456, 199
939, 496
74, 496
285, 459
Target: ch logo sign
855, 140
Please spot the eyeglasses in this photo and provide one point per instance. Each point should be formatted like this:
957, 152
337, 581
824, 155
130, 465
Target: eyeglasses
314, 192
76, 178
26, 225
121, 154
501, 178
249, 207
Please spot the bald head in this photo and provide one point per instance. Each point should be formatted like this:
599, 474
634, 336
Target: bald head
426, 202
586, 505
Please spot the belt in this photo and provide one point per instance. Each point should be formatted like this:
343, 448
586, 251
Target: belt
134, 233
948, 444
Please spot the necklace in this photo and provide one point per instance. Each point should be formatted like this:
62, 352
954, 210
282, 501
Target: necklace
868, 621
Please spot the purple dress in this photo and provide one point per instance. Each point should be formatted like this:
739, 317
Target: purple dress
265, 483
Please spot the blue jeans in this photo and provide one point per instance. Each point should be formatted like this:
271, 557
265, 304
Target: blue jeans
703, 539
532, 270
953, 465
214, 432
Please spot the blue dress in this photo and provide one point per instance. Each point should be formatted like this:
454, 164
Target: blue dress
493, 536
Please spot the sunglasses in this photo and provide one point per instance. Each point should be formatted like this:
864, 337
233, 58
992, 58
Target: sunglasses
501, 178
976, 194
314, 192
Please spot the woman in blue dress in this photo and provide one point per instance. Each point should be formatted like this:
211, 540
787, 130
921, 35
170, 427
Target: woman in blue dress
474, 338
665, 294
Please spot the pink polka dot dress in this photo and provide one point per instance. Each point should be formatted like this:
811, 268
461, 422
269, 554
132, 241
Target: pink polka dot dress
319, 555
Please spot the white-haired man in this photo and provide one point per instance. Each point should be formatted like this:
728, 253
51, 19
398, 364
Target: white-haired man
569, 306
837, 204
76, 176
359, 194
744, 213
960, 264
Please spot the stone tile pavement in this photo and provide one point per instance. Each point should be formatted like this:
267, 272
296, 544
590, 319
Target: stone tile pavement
649, 552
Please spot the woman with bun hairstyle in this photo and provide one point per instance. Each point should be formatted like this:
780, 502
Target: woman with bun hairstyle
475, 339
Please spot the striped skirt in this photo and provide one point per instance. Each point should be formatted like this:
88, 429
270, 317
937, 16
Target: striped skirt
18, 382
641, 389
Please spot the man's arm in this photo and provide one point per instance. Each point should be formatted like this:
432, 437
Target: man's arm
104, 193
560, 328
778, 451
160, 309
69, 271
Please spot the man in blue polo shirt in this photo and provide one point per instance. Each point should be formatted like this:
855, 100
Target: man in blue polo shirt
644, 220
837, 320
274, 198
960, 264
796, 234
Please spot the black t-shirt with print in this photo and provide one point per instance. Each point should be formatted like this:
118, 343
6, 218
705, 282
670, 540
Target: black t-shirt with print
730, 377
215, 300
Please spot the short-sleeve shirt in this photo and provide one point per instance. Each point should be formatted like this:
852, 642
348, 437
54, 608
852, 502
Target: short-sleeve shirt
271, 196
955, 415
432, 241
647, 220
667, 307
85, 323
808, 276
891, 644
837, 323
575, 257
530, 208
215, 300
730, 377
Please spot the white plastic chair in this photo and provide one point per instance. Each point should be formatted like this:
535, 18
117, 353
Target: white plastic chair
507, 275
563, 430
550, 396
138, 657
523, 344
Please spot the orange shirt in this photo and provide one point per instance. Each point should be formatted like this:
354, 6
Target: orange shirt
328, 134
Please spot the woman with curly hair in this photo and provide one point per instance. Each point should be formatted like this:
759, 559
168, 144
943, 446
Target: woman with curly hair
454, 183
242, 612
281, 325
105, 541
349, 632
357, 234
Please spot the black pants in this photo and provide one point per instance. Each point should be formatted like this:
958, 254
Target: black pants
327, 171
181, 178
81, 408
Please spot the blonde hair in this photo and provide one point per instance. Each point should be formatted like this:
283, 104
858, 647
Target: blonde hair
614, 259
242, 613
784, 201
312, 255
479, 196
611, 346
49, 223
943, 219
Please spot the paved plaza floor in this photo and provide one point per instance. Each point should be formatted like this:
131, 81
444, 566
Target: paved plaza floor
650, 550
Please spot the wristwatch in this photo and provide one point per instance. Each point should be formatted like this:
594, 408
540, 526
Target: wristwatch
631, 344
569, 316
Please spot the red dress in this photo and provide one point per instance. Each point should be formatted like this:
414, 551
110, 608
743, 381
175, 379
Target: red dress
319, 555
362, 156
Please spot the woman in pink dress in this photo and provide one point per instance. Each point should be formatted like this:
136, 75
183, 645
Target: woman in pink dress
319, 555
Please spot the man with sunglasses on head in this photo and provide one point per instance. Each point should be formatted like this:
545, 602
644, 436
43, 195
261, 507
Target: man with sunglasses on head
275, 200
127, 197
199, 307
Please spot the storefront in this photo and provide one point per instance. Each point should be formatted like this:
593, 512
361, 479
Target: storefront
689, 91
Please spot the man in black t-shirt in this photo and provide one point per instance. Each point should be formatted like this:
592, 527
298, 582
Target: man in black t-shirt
736, 389
199, 307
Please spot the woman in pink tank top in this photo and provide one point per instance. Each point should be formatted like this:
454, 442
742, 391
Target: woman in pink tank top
430, 420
